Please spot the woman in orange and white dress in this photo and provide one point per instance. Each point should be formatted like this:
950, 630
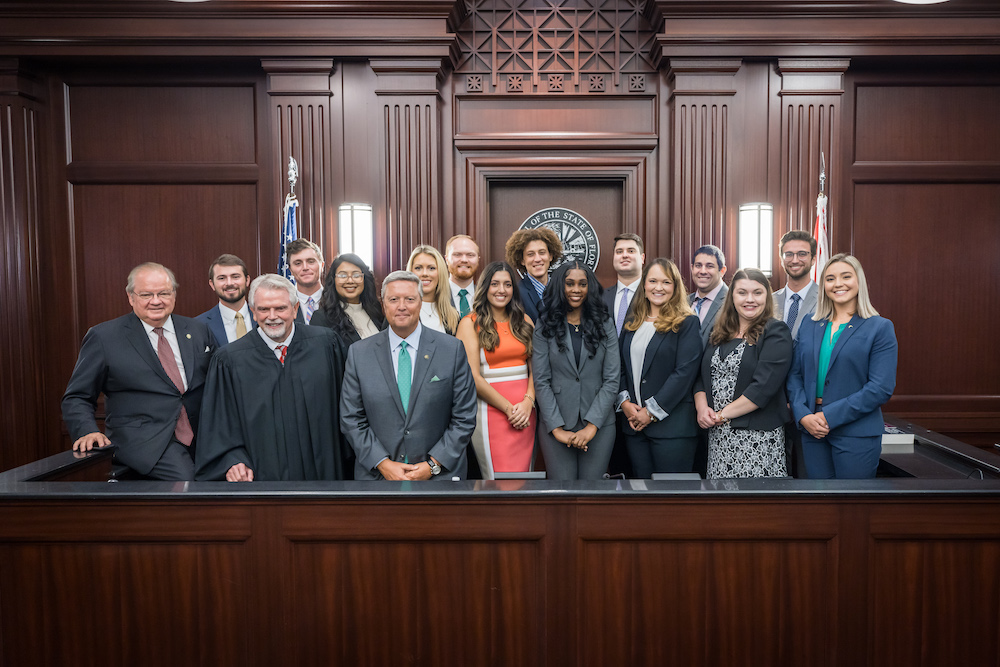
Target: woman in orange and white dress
497, 338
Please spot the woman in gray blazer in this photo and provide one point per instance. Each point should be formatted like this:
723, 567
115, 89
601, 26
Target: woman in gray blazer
576, 368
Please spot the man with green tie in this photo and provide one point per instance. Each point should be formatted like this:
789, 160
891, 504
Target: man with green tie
462, 255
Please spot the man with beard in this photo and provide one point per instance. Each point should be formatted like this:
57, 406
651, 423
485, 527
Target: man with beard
462, 256
797, 299
270, 407
708, 266
230, 318
305, 261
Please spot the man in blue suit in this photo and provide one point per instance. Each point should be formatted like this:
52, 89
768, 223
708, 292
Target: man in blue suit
230, 318
151, 367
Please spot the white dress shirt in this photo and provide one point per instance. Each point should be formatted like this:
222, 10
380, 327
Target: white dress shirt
171, 335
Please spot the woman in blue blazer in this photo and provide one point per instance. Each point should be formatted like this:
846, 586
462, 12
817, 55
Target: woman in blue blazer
575, 362
660, 355
843, 371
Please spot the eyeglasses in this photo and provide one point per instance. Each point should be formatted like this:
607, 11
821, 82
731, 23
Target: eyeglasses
801, 254
357, 275
147, 296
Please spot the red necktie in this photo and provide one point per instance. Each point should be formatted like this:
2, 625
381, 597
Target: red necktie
283, 349
183, 431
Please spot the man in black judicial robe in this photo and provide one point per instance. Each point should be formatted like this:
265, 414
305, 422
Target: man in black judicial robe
270, 410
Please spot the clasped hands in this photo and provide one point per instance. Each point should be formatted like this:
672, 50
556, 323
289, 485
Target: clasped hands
815, 425
638, 418
519, 414
578, 439
707, 417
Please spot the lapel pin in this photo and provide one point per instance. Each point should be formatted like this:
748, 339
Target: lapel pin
427, 356
189, 336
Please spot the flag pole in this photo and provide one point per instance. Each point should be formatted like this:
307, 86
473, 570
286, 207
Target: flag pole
288, 226
820, 231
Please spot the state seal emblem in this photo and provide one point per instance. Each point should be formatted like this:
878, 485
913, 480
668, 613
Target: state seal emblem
579, 240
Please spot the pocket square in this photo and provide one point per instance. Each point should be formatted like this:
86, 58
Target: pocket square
206, 348
435, 379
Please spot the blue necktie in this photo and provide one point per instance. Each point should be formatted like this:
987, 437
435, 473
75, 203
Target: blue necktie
622, 309
404, 376
793, 311
310, 309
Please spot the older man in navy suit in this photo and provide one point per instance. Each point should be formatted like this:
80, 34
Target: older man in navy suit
151, 367
229, 319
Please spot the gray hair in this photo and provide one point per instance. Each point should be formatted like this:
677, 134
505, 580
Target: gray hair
149, 266
272, 281
407, 276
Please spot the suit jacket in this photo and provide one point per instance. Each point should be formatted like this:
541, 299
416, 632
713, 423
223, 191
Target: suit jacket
713, 310
442, 412
609, 301
213, 319
761, 378
529, 297
669, 370
860, 379
806, 307
141, 402
567, 392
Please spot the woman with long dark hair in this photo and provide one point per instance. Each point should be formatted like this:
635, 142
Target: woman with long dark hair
350, 303
661, 354
740, 395
577, 369
497, 339
844, 370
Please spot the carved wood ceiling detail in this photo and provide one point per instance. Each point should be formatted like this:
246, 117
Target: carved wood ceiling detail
552, 46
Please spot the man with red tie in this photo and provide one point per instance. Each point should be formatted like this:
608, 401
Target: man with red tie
270, 408
150, 365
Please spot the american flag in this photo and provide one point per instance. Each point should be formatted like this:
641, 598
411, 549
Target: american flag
289, 232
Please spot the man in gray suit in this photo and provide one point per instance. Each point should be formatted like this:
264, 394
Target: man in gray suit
408, 402
797, 299
708, 266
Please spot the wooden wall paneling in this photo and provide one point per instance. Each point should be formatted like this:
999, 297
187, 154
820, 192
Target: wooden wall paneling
22, 259
410, 147
300, 99
704, 100
810, 101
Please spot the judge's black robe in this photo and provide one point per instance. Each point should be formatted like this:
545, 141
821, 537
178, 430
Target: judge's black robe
282, 422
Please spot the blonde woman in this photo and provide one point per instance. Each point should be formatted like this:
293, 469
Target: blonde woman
843, 370
436, 311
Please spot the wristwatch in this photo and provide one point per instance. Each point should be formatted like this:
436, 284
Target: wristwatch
435, 467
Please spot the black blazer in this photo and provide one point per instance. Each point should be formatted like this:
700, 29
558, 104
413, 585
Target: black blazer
609, 295
761, 379
668, 372
529, 297
319, 319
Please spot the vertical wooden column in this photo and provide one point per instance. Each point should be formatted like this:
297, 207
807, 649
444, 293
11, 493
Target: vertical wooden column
409, 101
299, 94
702, 101
21, 380
810, 103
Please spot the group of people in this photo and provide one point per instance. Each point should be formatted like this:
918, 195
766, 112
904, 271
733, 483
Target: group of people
335, 377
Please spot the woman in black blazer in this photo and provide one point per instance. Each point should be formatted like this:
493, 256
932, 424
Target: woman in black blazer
343, 306
740, 395
660, 355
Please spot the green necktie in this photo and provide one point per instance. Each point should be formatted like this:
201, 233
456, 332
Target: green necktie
463, 302
404, 375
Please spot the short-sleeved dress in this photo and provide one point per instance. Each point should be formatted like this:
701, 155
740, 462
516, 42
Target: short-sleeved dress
499, 446
739, 452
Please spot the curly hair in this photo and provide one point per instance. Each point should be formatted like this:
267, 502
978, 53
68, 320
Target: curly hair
332, 304
727, 324
674, 312
485, 324
593, 311
442, 294
519, 240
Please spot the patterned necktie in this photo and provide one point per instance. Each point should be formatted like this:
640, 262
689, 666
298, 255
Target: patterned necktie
793, 311
463, 302
310, 309
622, 308
183, 431
241, 326
698, 301
283, 349
404, 375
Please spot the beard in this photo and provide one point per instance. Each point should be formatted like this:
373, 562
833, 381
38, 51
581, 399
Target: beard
231, 297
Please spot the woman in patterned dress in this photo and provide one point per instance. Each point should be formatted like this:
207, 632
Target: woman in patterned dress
740, 395
497, 339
